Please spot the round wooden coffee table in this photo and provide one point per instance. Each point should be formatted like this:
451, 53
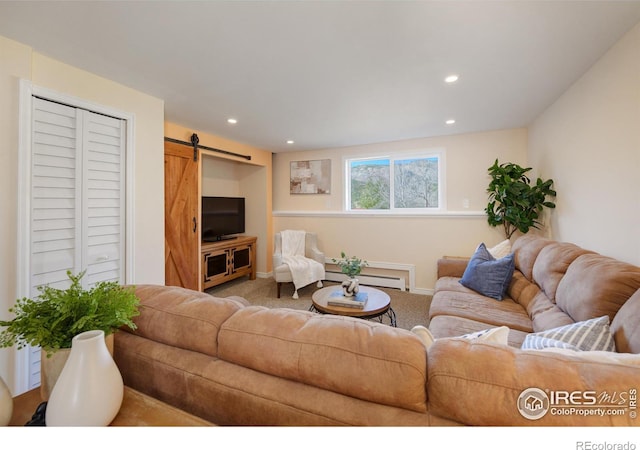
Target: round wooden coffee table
378, 304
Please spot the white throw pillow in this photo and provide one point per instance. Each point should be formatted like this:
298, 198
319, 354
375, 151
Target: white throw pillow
500, 250
424, 334
588, 335
499, 335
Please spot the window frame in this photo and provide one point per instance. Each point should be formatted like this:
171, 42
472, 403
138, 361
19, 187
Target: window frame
438, 153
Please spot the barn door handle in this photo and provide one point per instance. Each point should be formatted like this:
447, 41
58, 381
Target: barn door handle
195, 224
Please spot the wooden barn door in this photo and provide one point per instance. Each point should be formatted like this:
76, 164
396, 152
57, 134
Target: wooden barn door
181, 217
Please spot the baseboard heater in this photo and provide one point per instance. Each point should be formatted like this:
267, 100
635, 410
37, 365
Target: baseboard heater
394, 281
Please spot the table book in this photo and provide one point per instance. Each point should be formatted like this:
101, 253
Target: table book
357, 301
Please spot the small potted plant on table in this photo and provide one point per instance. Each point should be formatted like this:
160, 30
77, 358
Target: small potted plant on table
351, 267
56, 316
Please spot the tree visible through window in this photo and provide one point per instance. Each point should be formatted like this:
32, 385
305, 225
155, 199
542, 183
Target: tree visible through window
370, 184
401, 183
416, 183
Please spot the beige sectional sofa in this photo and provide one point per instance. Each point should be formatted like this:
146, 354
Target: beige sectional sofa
235, 364
554, 284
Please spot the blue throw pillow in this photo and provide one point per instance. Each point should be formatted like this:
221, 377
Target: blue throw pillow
487, 275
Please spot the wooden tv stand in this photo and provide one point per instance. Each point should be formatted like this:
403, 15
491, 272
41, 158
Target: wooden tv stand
226, 260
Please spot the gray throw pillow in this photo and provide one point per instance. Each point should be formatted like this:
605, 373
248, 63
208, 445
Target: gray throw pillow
487, 275
588, 335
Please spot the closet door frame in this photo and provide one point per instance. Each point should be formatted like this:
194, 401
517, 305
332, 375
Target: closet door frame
27, 91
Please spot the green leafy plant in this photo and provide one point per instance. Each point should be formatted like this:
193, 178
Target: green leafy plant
350, 266
56, 316
514, 203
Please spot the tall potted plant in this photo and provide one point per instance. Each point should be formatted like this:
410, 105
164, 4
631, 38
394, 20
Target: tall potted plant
57, 315
514, 203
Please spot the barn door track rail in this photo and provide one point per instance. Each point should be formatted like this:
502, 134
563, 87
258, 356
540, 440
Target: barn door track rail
194, 143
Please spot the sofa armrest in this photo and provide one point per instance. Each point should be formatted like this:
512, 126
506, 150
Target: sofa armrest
452, 266
479, 383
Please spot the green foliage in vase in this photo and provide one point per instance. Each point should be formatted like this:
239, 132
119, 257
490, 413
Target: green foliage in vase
514, 203
56, 316
350, 266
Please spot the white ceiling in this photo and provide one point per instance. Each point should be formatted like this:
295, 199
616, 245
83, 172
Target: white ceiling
331, 73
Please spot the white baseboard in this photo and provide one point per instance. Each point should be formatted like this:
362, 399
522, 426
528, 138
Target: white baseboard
415, 290
395, 282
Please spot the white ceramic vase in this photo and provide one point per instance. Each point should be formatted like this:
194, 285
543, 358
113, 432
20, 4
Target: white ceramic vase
6, 404
89, 390
350, 287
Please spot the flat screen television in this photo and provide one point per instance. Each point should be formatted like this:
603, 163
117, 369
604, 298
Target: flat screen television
222, 217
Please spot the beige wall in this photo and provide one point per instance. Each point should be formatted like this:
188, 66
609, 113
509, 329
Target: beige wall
18, 62
149, 153
588, 141
226, 175
418, 240
15, 64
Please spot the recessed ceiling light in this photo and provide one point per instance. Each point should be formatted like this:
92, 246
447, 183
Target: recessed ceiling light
232, 121
451, 79
290, 141
450, 122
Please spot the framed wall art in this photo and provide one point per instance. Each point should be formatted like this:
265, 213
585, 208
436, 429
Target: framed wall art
310, 177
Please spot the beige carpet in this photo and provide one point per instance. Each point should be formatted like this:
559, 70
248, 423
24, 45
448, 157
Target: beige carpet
410, 309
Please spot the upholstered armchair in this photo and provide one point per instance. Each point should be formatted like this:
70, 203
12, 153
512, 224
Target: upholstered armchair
281, 270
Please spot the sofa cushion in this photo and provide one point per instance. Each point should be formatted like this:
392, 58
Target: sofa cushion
474, 306
589, 335
487, 275
331, 352
543, 312
183, 318
624, 326
526, 249
596, 285
551, 265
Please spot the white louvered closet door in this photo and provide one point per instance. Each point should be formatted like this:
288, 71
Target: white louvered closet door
103, 199
56, 195
77, 200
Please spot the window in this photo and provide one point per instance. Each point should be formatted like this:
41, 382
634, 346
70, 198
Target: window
403, 183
